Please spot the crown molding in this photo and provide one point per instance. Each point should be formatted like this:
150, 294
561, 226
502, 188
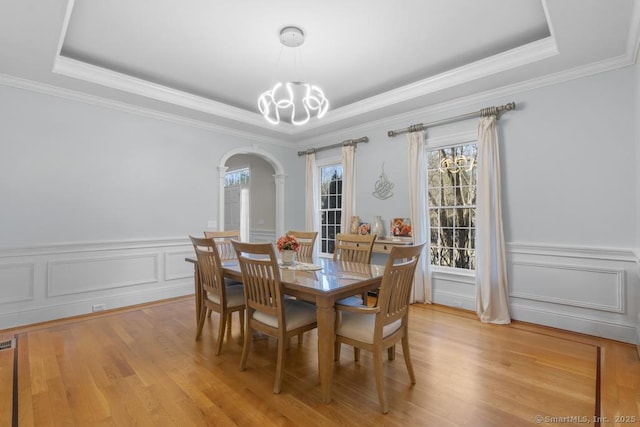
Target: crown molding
442, 108
83, 71
454, 106
523, 55
59, 92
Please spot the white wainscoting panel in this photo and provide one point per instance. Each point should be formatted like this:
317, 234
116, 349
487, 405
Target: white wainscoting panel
587, 290
175, 267
72, 276
16, 282
61, 280
579, 286
594, 291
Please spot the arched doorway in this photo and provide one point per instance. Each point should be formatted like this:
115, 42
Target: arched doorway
279, 180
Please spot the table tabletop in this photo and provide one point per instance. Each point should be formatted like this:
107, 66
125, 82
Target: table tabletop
333, 279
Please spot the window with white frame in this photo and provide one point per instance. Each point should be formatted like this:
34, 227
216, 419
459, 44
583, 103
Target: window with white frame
451, 176
330, 204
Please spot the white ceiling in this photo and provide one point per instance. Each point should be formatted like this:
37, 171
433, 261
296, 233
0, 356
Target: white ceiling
208, 61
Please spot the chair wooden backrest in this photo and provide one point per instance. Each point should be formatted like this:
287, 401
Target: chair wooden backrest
261, 278
209, 266
223, 242
307, 240
354, 248
394, 295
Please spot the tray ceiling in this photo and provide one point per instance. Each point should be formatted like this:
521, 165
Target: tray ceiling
209, 61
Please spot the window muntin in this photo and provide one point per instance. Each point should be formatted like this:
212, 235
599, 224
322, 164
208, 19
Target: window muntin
452, 180
236, 177
330, 206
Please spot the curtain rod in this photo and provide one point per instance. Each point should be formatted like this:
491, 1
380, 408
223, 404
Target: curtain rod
489, 111
346, 142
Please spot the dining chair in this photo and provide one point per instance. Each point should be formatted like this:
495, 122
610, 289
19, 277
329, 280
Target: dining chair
381, 327
267, 309
307, 240
216, 295
223, 242
227, 253
354, 248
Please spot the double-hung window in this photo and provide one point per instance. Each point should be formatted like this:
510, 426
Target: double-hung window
330, 205
451, 175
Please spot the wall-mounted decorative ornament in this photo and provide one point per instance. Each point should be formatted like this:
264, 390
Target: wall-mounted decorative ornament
384, 187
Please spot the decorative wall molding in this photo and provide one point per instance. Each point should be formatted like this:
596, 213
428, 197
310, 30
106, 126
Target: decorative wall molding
590, 290
175, 267
49, 310
447, 108
582, 323
72, 95
54, 281
443, 108
594, 253
98, 246
73, 276
16, 282
570, 275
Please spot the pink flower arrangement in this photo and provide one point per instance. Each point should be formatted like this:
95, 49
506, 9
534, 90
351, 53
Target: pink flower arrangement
288, 243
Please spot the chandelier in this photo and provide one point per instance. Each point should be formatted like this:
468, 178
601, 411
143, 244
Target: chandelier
296, 100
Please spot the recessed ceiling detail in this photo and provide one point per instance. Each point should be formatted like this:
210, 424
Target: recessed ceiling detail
209, 61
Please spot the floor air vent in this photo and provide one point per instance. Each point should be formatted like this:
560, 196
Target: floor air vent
6, 345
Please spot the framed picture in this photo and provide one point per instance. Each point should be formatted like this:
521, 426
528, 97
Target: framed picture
401, 227
365, 228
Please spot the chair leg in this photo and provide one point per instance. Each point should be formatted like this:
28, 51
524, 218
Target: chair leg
282, 344
337, 346
245, 348
379, 374
300, 337
209, 311
365, 298
391, 352
201, 319
223, 322
407, 358
241, 315
356, 354
229, 325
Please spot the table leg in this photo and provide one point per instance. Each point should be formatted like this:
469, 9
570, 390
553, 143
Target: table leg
326, 338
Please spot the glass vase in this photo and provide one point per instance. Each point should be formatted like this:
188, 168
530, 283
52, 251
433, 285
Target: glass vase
378, 227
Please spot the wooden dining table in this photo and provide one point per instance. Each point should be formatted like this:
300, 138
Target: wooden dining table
331, 281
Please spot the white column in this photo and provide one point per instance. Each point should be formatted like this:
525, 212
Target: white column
222, 171
280, 180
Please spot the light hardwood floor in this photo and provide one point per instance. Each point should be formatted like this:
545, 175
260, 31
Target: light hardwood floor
142, 366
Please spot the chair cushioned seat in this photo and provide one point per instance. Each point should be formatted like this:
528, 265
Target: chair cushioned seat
297, 313
360, 327
231, 282
352, 300
235, 296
